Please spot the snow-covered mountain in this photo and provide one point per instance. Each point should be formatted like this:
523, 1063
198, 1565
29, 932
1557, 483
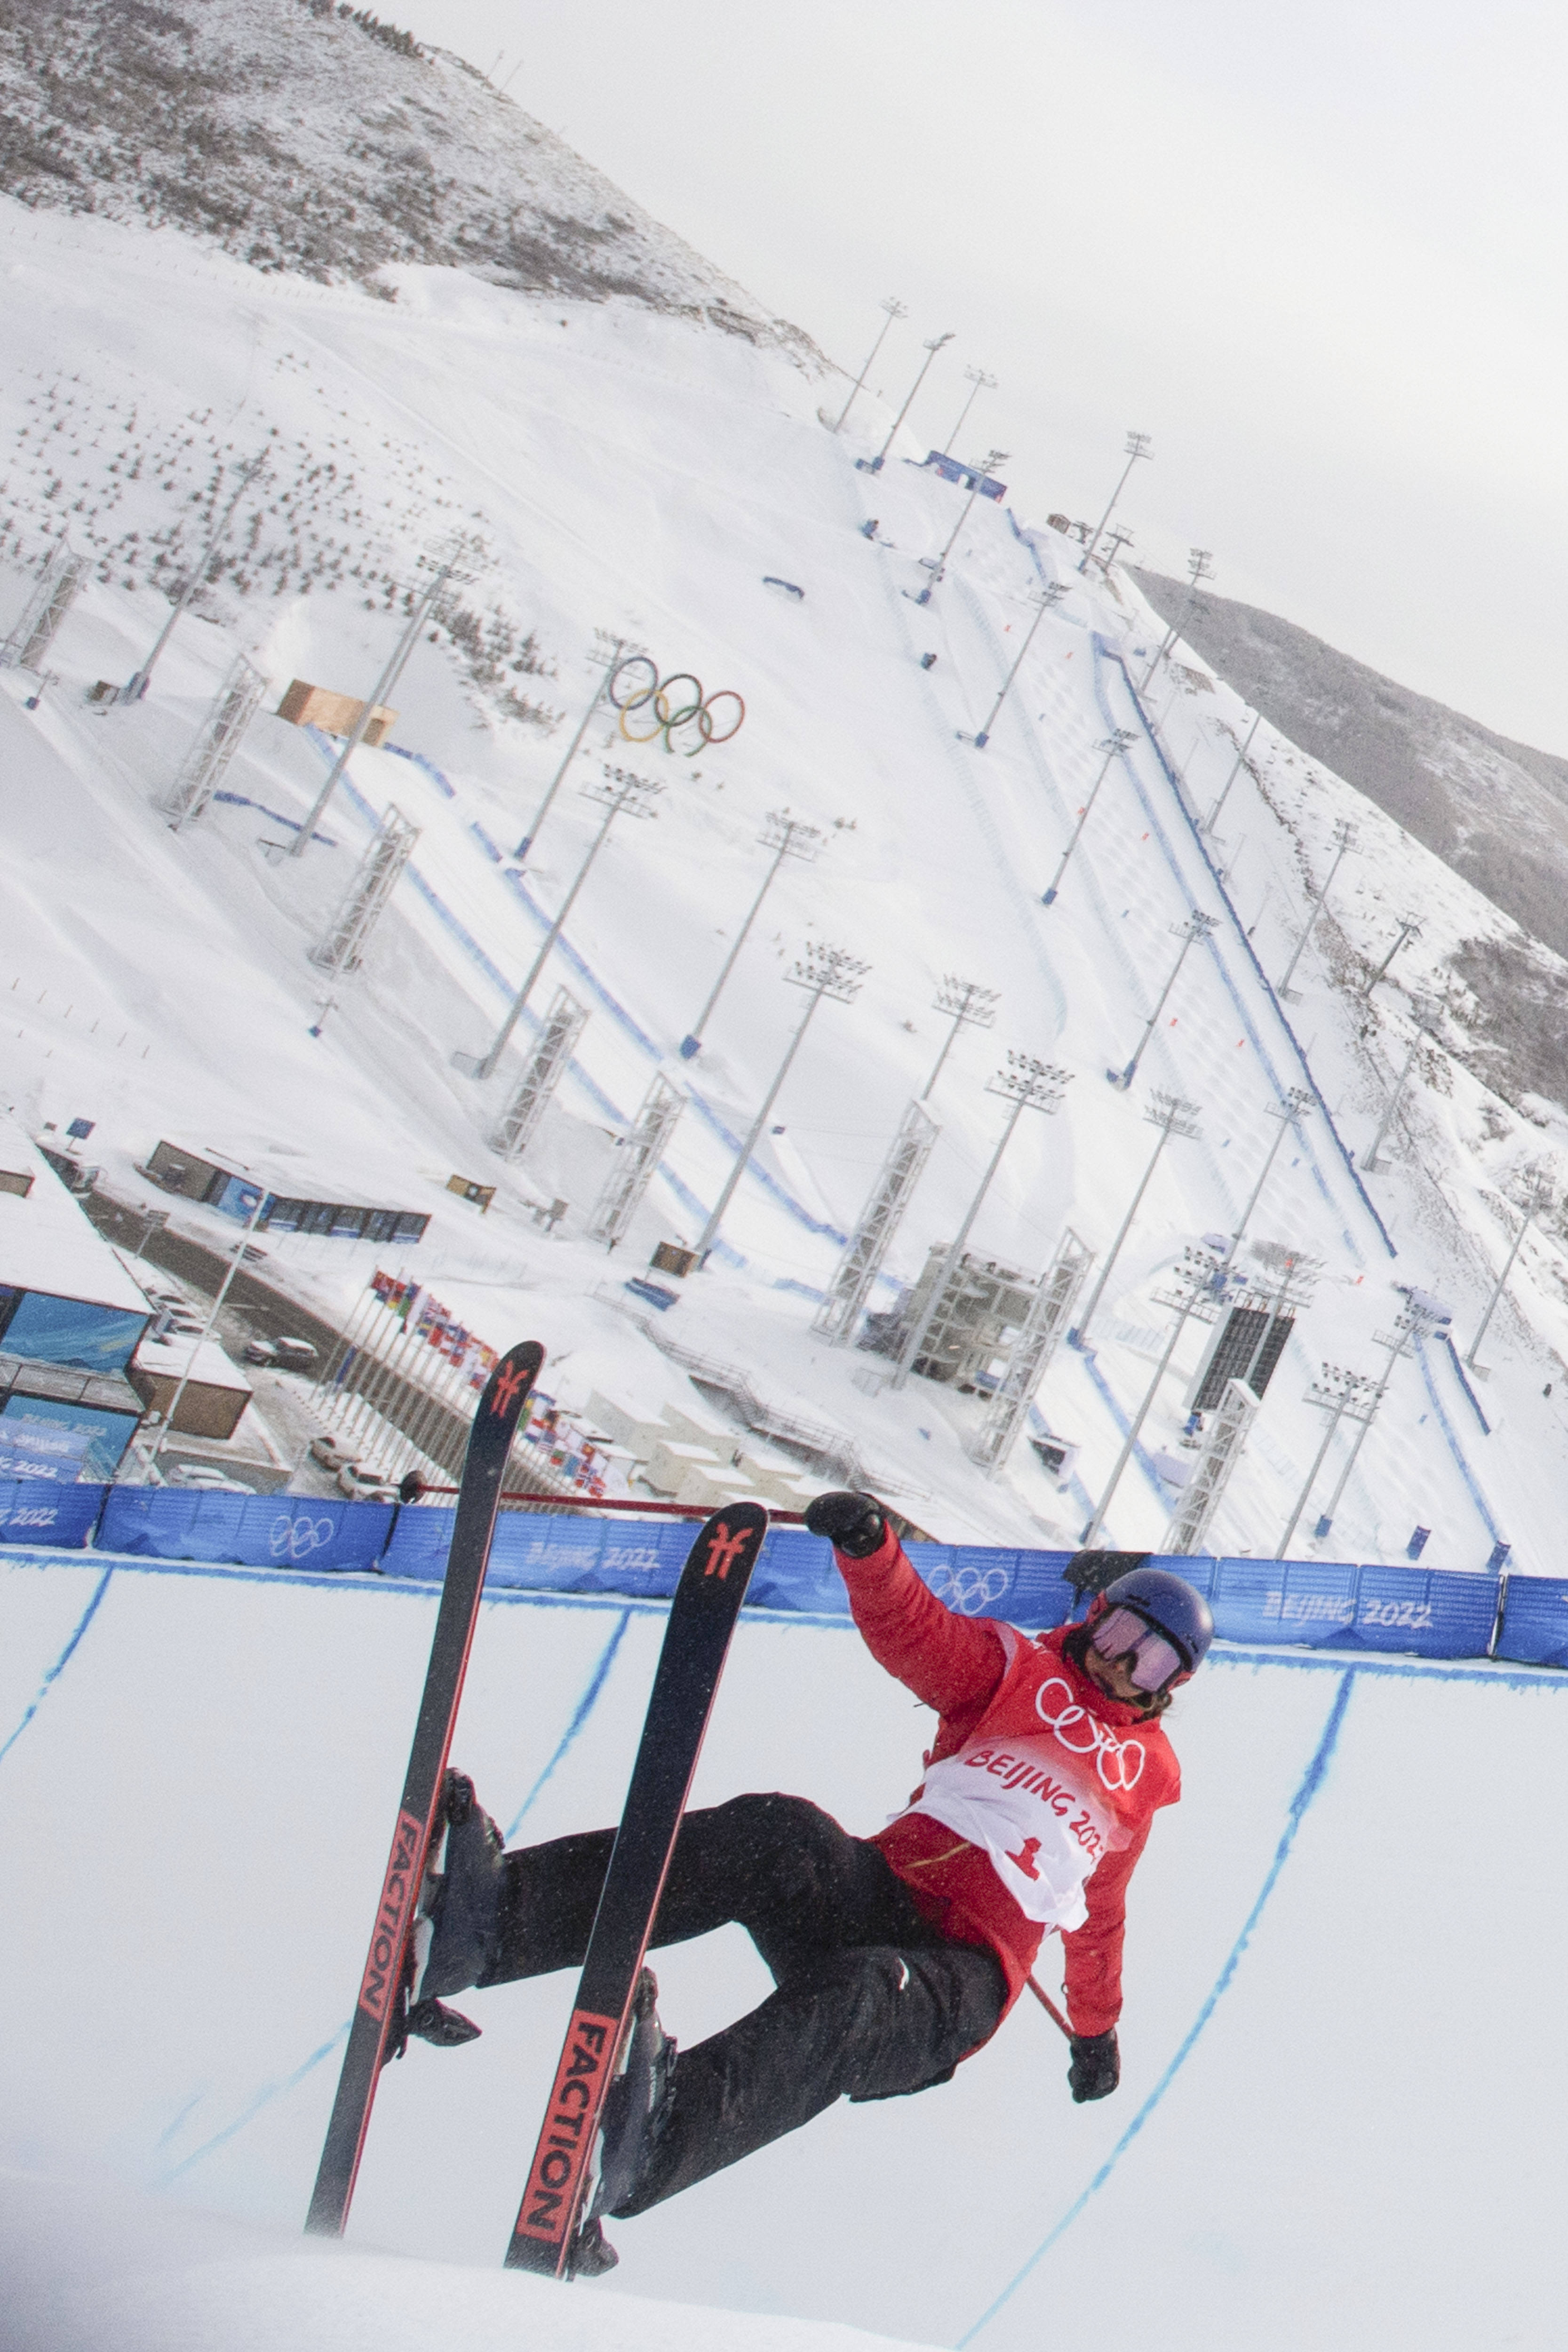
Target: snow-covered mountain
302, 136
1496, 812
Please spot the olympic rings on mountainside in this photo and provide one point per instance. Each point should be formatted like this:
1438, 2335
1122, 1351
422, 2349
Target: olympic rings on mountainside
676, 707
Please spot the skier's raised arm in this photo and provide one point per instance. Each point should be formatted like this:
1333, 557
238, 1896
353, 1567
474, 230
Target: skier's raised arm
951, 1662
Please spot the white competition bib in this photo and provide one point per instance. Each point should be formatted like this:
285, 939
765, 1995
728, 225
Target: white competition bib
1022, 1803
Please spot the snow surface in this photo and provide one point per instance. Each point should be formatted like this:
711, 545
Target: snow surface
638, 473
46, 1243
1361, 2147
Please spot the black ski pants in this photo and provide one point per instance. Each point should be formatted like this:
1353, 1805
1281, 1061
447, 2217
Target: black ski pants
871, 2001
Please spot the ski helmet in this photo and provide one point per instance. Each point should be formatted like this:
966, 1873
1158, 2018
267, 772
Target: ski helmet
1170, 1604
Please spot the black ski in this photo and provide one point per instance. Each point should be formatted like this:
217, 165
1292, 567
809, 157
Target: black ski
702, 1618
380, 1993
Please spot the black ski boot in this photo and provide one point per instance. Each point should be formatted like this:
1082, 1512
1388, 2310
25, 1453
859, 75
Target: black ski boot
637, 2109
459, 1912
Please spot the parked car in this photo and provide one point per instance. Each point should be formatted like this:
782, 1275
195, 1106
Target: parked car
362, 1485
207, 1481
296, 1355
260, 1351
329, 1453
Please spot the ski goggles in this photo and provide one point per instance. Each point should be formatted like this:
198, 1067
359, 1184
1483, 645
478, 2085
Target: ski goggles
1125, 1634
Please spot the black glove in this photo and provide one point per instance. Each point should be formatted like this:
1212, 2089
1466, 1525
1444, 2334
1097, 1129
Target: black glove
1096, 2068
853, 1524
1091, 1572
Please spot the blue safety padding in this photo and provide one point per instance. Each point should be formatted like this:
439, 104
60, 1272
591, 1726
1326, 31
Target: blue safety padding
247, 1530
982, 1580
1298, 1600
47, 1511
1535, 1621
1437, 1614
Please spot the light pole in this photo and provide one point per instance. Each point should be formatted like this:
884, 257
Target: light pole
1409, 929
1195, 1289
1049, 598
1115, 541
786, 837
821, 972
611, 652
895, 309
1212, 819
1200, 567
992, 458
874, 465
1336, 1392
621, 794
971, 1006
445, 567
262, 1197
1028, 1085
1344, 836
982, 383
1537, 1201
1116, 746
1409, 1327
1137, 446
1173, 1117
136, 686
1287, 1111
1198, 926
1369, 1161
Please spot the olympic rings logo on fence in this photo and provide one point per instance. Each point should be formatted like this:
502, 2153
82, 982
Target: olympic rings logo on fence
675, 708
969, 1590
296, 1539
1119, 1762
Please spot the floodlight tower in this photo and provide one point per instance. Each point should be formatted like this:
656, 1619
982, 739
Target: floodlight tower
1198, 926
1137, 446
1336, 1392
1369, 1161
786, 837
982, 383
1410, 1329
442, 566
936, 342
1172, 1117
607, 656
821, 972
1345, 839
1538, 1202
1116, 746
895, 309
970, 1006
1196, 1288
1028, 1085
1115, 541
1200, 567
939, 568
1044, 602
1212, 819
1409, 929
136, 686
1288, 1111
620, 794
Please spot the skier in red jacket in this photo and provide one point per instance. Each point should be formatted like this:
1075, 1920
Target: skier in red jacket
893, 1957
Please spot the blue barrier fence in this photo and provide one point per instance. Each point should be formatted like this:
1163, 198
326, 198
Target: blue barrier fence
1335, 1604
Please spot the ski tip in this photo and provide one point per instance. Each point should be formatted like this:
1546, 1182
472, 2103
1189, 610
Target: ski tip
510, 1385
727, 1544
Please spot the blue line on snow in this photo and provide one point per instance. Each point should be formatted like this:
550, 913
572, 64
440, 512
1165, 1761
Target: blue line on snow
1311, 1781
61, 1663
1123, 1421
585, 1709
263, 2098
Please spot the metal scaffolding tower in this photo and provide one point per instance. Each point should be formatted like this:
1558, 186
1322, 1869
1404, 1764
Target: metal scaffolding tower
206, 762
640, 1153
340, 948
1223, 1440
1036, 1344
28, 643
868, 1244
558, 1035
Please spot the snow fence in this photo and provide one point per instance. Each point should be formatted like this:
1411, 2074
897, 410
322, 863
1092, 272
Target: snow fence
1325, 1604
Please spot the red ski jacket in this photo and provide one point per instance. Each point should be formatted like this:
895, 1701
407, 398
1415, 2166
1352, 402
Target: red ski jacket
1040, 1789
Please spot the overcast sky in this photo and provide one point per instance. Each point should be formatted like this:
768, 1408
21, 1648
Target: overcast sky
1317, 253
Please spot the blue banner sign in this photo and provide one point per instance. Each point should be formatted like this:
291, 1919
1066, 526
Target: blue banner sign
34, 1448
247, 1530
43, 1511
1535, 1621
